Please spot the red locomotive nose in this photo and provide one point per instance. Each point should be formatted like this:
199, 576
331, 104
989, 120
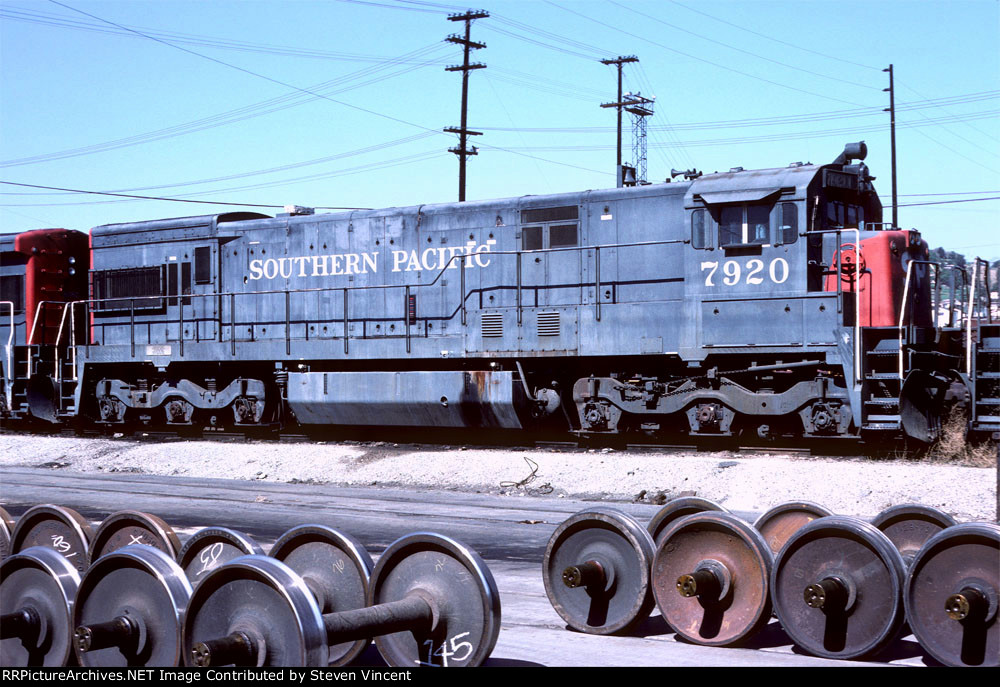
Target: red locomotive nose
879, 269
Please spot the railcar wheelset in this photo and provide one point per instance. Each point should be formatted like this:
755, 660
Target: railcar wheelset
431, 601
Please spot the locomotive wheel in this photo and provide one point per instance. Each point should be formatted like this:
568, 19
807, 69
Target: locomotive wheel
678, 508
129, 608
837, 588
952, 592
465, 598
37, 589
336, 568
209, 548
710, 579
62, 529
596, 571
262, 600
910, 525
6, 527
784, 520
129, 527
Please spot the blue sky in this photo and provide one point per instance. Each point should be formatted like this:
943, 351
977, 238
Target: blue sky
341, 103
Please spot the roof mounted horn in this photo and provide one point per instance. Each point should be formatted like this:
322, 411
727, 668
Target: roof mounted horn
852, 151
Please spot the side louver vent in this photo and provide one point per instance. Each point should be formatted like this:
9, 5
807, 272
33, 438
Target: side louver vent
492, 324
548, 324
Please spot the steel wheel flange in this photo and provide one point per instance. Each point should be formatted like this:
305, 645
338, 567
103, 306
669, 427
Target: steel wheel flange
785, 519
212, 547
336, 568
837, 588
130, 527
264, 600
596, 571
910, 525
56, 527
951, 595
710, 579
676, 509
129, 609
37, 589
463, 593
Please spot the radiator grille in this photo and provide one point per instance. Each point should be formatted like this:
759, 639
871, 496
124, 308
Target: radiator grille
548, 324
492, 325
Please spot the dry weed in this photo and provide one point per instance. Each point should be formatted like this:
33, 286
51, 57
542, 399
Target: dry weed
954, 447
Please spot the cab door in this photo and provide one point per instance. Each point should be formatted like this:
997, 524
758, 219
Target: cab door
192, 278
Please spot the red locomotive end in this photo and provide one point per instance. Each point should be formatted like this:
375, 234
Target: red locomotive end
56, 272
884, 257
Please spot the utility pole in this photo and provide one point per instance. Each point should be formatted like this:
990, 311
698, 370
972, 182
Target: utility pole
619, 61
462, 150
892, 129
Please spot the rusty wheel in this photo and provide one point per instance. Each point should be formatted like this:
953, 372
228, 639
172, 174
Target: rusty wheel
837, 588
910, 525
710, 579
596, 571
784, 520
678, 508
952, 592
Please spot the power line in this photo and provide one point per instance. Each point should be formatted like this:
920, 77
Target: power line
776, 40
297, 88
699, 59
248, 71
746, 52
946, 202
62, 21
233, 116
779, 136
124, 195
271, 170
249, 187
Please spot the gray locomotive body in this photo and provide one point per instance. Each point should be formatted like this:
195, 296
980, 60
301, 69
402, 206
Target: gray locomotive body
721, 302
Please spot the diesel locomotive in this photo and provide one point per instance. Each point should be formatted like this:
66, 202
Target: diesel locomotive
770, 302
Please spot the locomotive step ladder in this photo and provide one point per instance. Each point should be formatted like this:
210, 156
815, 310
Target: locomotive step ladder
881, 383
986, 379
66, 384
22, 359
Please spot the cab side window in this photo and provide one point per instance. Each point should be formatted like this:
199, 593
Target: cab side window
556, 228
744, 224
788, 226
699, 229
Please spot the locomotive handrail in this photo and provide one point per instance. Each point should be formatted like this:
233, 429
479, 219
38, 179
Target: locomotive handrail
8, 352
67, 311
951, 300
460, 258
389, 286
855, 284
972, 305
31, 336
10, 336
986, 288
902, 307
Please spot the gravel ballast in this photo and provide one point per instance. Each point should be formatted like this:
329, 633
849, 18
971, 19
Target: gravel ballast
854, 486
